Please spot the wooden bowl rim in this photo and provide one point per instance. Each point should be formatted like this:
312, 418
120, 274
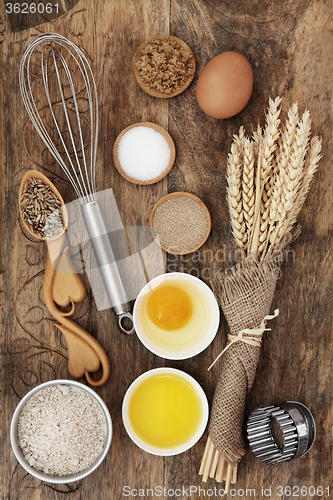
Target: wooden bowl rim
180, 194
154, 92
166, 136
39, 175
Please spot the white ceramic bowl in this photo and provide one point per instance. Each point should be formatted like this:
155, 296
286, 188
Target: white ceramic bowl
153, 448
189, 340
40, 474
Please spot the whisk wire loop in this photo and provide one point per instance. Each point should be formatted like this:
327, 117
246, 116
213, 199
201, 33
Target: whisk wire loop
81, 173
33, 111
84, 181
46, 85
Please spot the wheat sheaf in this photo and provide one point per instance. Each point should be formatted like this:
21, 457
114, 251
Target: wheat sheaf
268, 178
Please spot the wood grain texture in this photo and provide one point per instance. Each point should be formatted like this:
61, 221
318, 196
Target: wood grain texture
289, 46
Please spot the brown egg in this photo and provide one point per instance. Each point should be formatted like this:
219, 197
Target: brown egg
225, 85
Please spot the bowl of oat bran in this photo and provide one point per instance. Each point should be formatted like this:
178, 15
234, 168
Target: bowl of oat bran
61, 431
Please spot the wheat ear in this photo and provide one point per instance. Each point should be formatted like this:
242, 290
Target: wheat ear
283, 154
288, 136
248, 193
254, 237
270, 137
311, 165
256, 145
257, 140
295, 169
271, 134
293, 174
234, 197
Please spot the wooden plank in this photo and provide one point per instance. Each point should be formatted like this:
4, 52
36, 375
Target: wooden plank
123, 103
284, 51
35, 351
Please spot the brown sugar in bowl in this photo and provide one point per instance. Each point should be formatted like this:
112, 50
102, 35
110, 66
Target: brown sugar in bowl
168, 139
150, 90
175, 196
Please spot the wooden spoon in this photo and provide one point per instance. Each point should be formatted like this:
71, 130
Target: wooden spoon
62, 286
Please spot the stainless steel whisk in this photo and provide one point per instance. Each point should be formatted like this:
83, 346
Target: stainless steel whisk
80, 168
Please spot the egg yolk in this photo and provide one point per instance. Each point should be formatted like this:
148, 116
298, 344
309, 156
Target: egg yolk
169, 308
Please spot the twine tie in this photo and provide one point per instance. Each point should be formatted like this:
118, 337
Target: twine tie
254, 339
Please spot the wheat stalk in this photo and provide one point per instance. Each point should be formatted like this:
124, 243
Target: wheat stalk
297, 159
282, 157
283, 153
271, 134
248, 194
270, 137
292, 174
288, 136
254, 237
257, 140
311, 166
240, 138
234, 196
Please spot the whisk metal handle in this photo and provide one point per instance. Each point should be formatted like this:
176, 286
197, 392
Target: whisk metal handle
107, 263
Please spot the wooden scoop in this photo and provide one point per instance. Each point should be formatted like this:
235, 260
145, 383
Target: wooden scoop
62, 286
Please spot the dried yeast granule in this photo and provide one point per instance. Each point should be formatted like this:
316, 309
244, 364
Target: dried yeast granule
181, 224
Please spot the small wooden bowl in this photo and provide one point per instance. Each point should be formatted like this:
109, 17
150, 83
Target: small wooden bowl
166, 136
152, 91
39, 175
180, 194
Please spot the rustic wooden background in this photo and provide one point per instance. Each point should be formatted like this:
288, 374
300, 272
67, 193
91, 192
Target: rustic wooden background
289, 45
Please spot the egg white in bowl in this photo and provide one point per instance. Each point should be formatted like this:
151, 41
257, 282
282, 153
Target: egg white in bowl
176, 316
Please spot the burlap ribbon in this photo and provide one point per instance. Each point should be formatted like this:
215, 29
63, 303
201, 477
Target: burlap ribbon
245, 294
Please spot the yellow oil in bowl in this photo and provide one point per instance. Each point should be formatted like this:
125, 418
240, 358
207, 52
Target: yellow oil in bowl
165, 410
